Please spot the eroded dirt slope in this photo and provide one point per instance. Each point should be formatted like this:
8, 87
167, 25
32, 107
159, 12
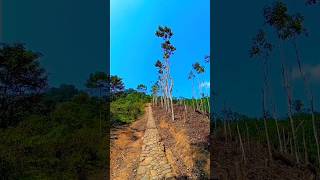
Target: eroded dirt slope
126, 143
186, 141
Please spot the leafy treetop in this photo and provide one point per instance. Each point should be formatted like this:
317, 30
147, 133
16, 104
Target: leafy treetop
198, 68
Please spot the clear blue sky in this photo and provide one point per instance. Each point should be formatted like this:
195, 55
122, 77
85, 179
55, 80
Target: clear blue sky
135, 48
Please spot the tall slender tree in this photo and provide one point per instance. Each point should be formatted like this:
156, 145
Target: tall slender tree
165, 33
155, 90
289, 28
200, 70
161, 81
191, 77
262, 48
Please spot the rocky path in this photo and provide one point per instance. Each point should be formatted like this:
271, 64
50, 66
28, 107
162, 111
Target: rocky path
153, 163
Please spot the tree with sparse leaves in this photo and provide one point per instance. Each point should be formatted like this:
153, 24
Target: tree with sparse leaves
155, 91
289, 27
262, 48
165, 33
191, 77
199, 69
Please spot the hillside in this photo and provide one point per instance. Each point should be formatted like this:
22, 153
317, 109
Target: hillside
182, 146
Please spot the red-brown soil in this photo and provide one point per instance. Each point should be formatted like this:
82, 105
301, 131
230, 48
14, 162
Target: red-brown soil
126, 142
186, 141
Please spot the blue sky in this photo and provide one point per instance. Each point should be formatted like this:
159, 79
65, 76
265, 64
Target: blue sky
135, 48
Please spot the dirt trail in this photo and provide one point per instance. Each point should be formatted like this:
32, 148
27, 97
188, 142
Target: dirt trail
137, 151
153, 161
126, 143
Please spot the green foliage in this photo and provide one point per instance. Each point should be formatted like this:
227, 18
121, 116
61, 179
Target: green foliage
142, 88
155, 89
53, 96
61, 94
58, 133
64, 145
127, 108
287, 26
116, 84
21, 81
198, 68
261, 46
97, 80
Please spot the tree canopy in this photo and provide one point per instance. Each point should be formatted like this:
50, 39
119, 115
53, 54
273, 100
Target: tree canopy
22, 80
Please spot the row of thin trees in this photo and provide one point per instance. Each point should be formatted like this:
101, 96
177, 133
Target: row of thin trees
285, 28
163, 88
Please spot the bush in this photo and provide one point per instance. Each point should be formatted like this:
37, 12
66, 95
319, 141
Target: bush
66, 144
127, 108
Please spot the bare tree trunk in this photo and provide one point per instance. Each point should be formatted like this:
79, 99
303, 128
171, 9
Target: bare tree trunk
291, 148
309, 96
169, 87
229, 128
193, 104
156, 100
279, 136
161, 101
100, 116
208, 102
275, 118
225, 130
185, 107
185, 111
200, 106
265, 125
153, 100
196, 103
264, 95
305, 147
248, 137
289, 103
316, 137
284, 141
241, 144
172, 114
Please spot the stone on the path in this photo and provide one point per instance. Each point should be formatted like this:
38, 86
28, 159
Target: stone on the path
153, 162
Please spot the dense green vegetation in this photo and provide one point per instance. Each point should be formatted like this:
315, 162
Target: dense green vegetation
65, 144
128, 106
59, 132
